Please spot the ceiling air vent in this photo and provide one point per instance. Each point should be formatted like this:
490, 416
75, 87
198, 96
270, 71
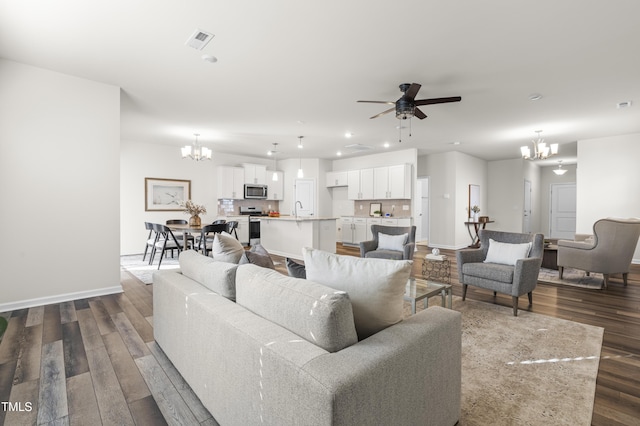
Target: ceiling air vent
199, 39
358, 147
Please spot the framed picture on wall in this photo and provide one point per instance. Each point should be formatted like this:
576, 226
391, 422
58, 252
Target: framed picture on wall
165, 195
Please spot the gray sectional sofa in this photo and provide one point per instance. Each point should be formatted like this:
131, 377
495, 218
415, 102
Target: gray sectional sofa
261, 348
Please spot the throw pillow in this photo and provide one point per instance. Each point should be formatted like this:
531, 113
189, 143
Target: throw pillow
314, 312
226, 248
376, 288
296, 269
392, 242
506, 253
258, 255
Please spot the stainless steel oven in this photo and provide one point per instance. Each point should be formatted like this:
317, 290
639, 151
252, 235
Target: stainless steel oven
256, 192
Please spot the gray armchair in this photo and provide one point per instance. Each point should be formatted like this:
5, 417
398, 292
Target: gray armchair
608, 251
516, 280
372, 249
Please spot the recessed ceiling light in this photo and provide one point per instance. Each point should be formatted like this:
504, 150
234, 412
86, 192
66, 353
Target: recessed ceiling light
387, 145
535, 97
348, 135
624, 104
454, 143
209, 58
338, 153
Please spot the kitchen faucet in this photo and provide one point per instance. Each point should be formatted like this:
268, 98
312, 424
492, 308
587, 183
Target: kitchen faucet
296, 208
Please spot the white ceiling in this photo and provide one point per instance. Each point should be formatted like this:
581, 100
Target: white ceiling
290, 68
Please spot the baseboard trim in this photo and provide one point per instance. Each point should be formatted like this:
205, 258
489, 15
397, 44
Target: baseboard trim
58, 298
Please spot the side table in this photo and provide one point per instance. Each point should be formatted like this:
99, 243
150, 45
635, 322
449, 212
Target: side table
436, 269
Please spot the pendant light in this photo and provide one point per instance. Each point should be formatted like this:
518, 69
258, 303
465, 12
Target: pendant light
559, 171
274, 152
300, 172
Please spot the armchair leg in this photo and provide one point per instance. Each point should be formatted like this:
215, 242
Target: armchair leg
495, 293
560, 271
464, 291
530, 294
624, 278
515, 305
606, 280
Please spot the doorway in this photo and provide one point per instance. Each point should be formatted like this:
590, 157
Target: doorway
305, 190
562, 216
422, 211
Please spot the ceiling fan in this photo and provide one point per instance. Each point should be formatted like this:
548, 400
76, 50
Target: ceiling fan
407, 105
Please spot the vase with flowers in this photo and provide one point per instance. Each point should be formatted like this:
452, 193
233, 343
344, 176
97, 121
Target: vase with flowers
475, 210
195, 210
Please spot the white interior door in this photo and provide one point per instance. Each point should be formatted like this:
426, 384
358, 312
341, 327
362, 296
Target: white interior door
305, 197
563, 211
422, 210
526, 217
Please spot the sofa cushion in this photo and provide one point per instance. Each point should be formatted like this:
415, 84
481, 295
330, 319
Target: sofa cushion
295, 269
376, 287
226, 248
219, 277
316, 313
506, 253
257, 255
385, 254
489, 271
392, 242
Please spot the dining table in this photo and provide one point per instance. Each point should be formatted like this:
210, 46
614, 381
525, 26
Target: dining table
186, 231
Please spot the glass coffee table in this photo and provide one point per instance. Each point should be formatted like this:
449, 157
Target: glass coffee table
418, 289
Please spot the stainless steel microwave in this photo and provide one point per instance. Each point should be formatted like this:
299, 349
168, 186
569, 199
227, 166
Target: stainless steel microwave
252, 191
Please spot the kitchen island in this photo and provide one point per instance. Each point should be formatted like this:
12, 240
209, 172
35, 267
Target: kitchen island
287, 235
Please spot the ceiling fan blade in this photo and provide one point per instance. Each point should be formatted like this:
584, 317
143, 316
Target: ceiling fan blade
384, 112
421, 115
412, 91
438, 101
379, 102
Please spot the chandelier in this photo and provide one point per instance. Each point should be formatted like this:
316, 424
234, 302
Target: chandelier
540, 149
196, 151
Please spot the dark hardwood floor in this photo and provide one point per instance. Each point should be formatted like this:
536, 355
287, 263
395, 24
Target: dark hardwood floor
94, 361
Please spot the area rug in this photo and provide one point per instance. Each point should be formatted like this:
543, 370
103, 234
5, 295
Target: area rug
572, 277
142, 270
526, 370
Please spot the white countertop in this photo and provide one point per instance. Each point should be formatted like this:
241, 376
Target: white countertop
299, 218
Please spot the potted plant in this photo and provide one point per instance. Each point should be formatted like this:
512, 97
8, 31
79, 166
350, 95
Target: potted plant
195, 210
377, 213
475, 210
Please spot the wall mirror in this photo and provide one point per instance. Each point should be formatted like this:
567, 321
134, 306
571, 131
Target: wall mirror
474, 198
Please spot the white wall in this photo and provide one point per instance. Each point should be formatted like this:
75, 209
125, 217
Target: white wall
608, 181
505, 197
59, 164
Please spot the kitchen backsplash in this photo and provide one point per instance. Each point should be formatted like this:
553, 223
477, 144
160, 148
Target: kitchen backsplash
392, 207
232, 207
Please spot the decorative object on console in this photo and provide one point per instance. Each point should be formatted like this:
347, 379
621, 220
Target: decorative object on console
375, 209
540, 149
195, 210
196, 151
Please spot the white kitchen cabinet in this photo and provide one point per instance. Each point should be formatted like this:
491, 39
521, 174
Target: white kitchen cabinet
392, 182
255, 174
337, 179
230, 182
360, 184
275, 188
372, 221
354, 230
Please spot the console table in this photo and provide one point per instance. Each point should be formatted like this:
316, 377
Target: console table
476, 226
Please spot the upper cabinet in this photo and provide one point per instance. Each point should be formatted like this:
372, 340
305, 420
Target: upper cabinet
360, 184
255, 174
230, 182
275, 188
392, 182
337, 179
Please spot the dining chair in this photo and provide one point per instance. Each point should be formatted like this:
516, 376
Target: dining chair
151, 239
166, 240
219, 222
180, 235
205, 241
232, 225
